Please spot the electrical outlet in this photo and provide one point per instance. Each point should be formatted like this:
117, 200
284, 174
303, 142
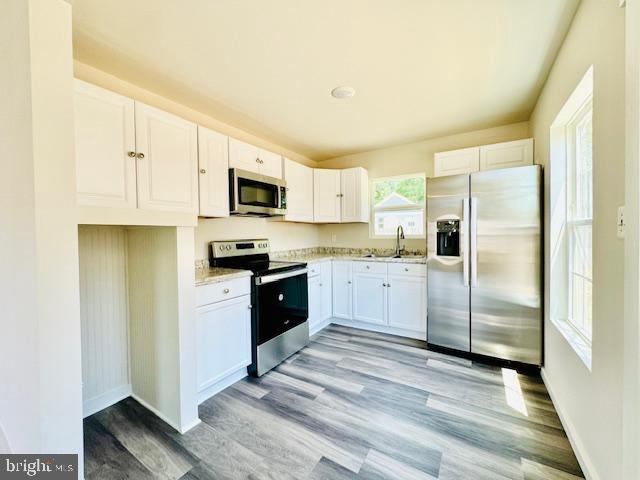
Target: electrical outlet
334, 238
621, 224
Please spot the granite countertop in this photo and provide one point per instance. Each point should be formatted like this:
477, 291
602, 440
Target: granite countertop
206, 276
319, 257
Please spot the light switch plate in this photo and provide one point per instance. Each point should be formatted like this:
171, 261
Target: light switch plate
621, 223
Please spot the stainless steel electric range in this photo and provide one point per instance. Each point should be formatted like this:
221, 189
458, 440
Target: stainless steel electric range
279, 299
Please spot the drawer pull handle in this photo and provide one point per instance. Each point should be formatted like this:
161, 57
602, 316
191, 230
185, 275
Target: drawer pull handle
226, 290
368, 267
249, 306
406, 269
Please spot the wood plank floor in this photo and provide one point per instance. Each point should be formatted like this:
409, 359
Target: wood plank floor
352, 405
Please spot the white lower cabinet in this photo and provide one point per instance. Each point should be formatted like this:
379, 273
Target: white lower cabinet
320, 293
223, 341
315, 302
390, 295
342, 291
369, 292
407, 299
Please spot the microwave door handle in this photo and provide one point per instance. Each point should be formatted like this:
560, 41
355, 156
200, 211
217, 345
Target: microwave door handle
465, 241
474, 241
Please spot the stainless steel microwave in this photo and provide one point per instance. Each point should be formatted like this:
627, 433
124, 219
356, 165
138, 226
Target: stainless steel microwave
255, 195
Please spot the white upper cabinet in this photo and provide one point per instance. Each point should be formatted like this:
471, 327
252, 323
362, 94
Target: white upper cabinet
354, 195
167, 148
270, 163
454, 162
245, 156
326, 195
105, 147
213, 159
486, 157
507, 154
299, 191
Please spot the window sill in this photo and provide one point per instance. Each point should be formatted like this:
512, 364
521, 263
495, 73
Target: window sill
575, 340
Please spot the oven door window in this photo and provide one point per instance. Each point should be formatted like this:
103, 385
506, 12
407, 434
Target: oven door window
282, 305
257, 194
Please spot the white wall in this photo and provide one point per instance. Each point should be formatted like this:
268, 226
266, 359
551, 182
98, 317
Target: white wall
41, 401
402, 159
283, 235
590, 402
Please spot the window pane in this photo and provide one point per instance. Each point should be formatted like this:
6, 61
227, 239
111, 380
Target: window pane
386, 222
583, 168
400, 192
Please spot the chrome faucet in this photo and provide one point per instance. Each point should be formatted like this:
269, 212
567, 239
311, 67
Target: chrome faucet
399, 236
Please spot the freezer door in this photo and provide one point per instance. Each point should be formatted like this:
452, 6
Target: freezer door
447, 273
506, 300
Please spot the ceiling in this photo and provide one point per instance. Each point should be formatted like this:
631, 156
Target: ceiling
421, 68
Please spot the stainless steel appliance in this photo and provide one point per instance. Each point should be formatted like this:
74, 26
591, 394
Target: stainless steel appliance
279, 299
484, 263
255, 195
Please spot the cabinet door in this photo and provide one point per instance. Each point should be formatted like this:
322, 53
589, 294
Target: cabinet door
213, 158
454, 162
105, 139
370, 297
244, 156
270, 163
315, 301
354, 193
507, 154
326, 195
167, 147
299, 191
224, 339
407, 297
342, 290
325, 283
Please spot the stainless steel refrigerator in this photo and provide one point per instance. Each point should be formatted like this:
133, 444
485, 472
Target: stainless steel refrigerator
484, 269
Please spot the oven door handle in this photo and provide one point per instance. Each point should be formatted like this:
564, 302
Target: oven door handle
279, 276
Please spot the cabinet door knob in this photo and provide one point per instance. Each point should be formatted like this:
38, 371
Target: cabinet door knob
320, 284
131, 154
140, 155
384, 284
349, 282
388, 285
226, 290
249, 306
406, 269
203, 171
368, 267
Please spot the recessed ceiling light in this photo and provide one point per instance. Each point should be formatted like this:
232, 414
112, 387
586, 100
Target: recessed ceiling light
343, 92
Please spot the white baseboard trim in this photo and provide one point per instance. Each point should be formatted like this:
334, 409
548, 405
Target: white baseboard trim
227, 381
189, 426
95, 404
156, 412
380, 328
322, 325
586, 465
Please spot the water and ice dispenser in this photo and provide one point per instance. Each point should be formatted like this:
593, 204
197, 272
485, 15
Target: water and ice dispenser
448, 238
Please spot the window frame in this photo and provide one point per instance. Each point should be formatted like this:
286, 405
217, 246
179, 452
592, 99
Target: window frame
572, 223
373, 210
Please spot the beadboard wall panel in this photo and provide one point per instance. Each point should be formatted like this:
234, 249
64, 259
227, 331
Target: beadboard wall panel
104, 316
153, 325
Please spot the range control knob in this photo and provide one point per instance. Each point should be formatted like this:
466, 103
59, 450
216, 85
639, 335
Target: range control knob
228, 247
221, 247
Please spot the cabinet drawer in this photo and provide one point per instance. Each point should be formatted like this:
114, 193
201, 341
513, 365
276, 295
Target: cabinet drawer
216, 292
315, 268
369, 267
415, 269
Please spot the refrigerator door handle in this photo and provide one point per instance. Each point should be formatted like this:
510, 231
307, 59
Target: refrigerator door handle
465, 242
473, 234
